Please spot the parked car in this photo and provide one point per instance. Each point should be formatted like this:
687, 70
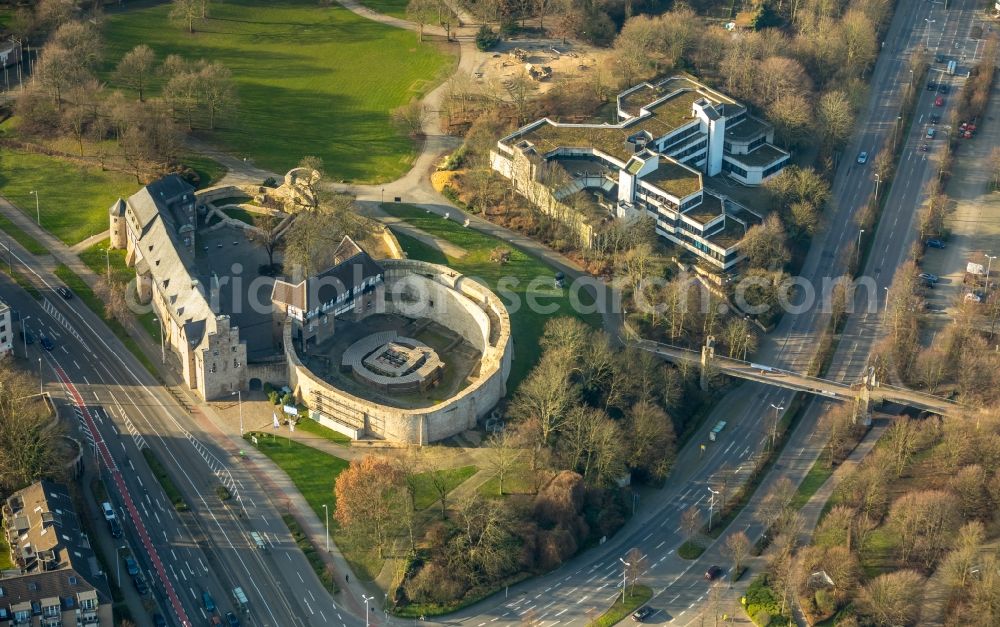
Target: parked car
713, 572
935, 243
973, 297
939, 102
108, 511
642, 613
116, 529
560, 280
927, 276
141, 586
159, 621
208, 601
862, 157
131, 565
46, 343
27, 337
231, 620
931, 85
64, 292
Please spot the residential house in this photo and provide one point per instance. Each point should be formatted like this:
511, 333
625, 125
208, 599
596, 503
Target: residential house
56, 580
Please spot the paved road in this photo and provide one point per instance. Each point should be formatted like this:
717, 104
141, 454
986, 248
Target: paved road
208, 548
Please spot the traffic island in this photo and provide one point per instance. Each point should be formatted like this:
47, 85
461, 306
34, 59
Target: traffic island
635, 598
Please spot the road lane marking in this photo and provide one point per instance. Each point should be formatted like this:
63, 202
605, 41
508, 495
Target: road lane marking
563, 611
661, 544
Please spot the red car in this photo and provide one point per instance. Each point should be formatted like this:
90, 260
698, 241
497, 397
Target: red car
939, 102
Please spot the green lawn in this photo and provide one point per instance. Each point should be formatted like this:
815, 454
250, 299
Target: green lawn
425, 494
518, 273
812, 482
313, 79
30, 244
395, 8
311, 426
244, 216
5, 562
635, 597
73, 200
209, 171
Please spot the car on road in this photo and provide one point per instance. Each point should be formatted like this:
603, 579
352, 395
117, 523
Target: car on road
231, 620
642, 613
939, 58
924, 147
64, 292
46, 343
943, 88
208, 601
131, 566
108, 511
936, 243
862, 157
215, 620
935, 118
27, 337
927, 276
939, 102
159, 621
931, 132
713, 573
931, 85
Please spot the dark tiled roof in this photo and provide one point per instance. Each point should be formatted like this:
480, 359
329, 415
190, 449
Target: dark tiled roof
352, 266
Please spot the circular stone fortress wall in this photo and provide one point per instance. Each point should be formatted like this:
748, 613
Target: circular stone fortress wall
416, 289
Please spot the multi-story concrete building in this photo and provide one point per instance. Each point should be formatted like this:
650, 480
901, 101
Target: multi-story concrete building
157, 227
670, 136
6, 330
57, 579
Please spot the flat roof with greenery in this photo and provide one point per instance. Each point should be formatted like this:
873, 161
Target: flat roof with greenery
311, 77
749, 128
709, 209
765, 154
674, 178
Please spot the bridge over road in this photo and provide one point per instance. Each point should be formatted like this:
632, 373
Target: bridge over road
794, 381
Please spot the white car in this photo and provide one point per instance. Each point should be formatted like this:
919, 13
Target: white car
108, 511
862, 157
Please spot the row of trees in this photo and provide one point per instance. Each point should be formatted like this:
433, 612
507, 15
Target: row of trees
66, 98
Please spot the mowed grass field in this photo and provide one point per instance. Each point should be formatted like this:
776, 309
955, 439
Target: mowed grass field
312, 80
73, 199
395, 8
527, 322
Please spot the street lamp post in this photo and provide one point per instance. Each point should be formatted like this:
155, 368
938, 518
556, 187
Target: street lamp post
367, 599
711, 506
38, 212
326, 513
989, 266
886, 307
625, 566
118, 564
929, 22
895, 126
40, 390
878, 180
107, 258
383, 196
774, 425
239, 400
858, 251
24, 336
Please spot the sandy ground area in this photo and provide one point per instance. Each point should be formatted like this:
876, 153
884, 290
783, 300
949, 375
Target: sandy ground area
567, 61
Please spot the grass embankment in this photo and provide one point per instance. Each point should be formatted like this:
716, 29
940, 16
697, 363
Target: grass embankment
73, 199
311, 426
311, 552
311, 78
426, 495
314, 474
30, 244
5, 561
635, 597
209, 171
690, 549
83, 291
518, 291
165, 480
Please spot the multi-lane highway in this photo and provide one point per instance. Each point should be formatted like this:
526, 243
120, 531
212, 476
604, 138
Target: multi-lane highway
568, 595
183, 554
